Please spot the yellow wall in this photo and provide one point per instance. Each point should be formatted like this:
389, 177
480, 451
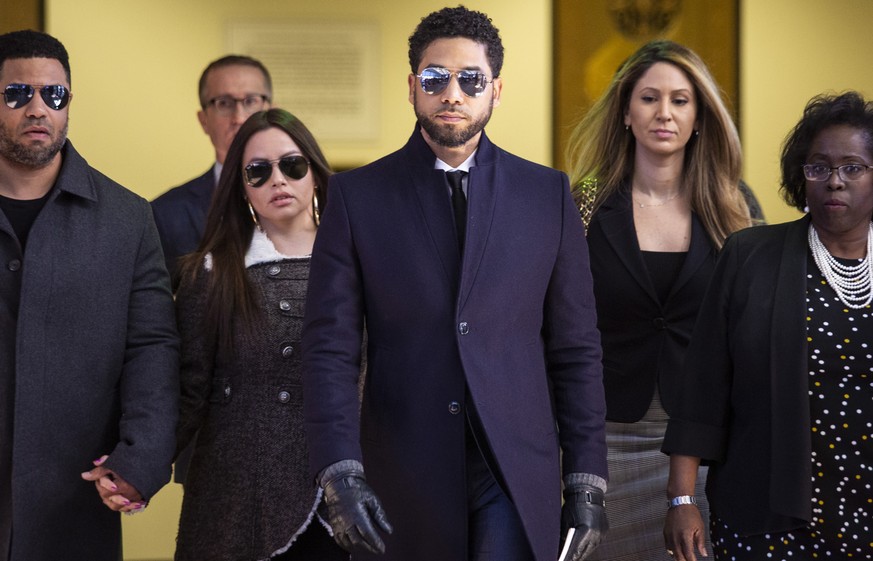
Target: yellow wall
136, 64
792, 50
135, 67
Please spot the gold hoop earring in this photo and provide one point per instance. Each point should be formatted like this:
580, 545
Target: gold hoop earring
254, 216
316, 213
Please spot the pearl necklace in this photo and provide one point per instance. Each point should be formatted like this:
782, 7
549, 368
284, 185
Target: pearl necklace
852, 283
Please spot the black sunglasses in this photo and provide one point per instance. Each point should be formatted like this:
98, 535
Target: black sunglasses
293, 167
435, 79
55, 96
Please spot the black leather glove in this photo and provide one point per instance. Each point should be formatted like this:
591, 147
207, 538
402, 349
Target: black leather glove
583, 510
352, 507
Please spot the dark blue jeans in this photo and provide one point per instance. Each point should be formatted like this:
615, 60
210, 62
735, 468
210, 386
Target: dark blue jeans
495, 530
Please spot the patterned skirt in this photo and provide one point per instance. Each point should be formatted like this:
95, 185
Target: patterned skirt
636, 500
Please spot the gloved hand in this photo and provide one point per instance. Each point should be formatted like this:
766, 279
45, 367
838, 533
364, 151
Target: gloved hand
584, 510
352, 506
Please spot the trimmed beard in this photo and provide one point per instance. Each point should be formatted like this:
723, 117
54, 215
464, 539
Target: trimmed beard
449, 136
31, 156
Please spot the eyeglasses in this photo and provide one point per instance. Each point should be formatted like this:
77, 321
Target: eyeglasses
55, 96
434, 80
846, 172
293, 167
226, 105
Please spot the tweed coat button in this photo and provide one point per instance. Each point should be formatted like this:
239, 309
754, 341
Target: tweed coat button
463, 328
287, 351
284, 305
14, 265
454, 407
659, 323
274, 270
284, 397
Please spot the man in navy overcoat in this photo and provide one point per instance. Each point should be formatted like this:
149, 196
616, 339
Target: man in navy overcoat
483, 354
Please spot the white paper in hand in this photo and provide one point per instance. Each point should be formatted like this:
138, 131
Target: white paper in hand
567, 542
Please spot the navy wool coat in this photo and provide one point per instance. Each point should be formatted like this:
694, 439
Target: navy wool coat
92, 359
514, 321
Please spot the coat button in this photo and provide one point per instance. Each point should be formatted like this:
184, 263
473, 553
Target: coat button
14, 265
287, 351
454, 407
227, 391
659, 323
284, 305
463, 328
274, 270
284, 397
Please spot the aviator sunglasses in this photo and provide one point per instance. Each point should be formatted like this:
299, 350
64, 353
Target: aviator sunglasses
55, 96
435, 79
293, 167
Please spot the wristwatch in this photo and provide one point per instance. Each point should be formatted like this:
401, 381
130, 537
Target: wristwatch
681, 500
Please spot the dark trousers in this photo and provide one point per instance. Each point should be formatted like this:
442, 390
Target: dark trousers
495, 530
314, 544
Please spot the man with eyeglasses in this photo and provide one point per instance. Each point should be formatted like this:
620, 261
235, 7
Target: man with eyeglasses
88, 344
468, 266
230, 89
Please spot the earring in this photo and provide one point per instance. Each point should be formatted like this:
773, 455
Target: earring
316, 213
696, 132
626, 128
254, 216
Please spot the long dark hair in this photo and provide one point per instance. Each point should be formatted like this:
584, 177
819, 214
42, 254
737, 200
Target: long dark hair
229, 227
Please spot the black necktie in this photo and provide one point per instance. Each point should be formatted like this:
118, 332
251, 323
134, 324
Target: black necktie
459, 205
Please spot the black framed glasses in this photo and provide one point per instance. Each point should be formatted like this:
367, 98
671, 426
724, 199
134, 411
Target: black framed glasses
55, 96
435, 80
258, 172
846, 172
226, 105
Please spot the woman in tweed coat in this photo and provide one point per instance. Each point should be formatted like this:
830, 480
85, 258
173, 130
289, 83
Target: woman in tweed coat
240, 311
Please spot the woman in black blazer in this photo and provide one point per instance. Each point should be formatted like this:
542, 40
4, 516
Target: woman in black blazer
657, 160
776, 389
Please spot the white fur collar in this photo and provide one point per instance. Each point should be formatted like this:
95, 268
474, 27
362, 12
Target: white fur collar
261, 250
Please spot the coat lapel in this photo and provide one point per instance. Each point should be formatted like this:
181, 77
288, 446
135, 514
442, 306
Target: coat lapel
790, 494
699, 251
432, 192
483, 184
617, 220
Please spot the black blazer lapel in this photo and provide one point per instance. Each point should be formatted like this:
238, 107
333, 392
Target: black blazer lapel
699, 251
617, 220
790, 492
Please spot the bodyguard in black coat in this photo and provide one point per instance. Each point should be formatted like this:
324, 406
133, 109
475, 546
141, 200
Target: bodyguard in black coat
88, 346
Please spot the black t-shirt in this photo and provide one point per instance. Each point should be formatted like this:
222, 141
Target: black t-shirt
22, 214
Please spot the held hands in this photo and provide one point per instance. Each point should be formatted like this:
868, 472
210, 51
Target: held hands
583, 510
117, 494
683, 533
352, 507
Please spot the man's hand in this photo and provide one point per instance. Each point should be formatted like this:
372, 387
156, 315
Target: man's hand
117, 494
583, 510
352, 507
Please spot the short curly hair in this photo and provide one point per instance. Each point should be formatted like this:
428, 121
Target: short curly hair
33, 44
457, 22
823, 111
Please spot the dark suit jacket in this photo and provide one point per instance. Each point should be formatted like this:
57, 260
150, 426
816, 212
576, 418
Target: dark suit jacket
744, 406
515, 321
93, 356
180, 215
644, 340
